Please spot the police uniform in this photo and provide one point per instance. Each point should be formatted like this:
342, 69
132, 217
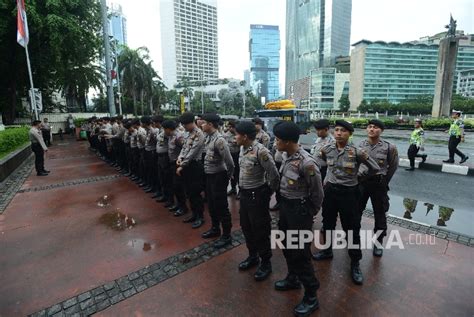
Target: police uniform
164, 176
218, 167
141, 140
320, 142
175, 144
234, 151
38, 147
416, 142
134, 151
375, 186
258, 178
127, 149
341, 194
301, 197
190, 159
46, 133
456, 133
262, 136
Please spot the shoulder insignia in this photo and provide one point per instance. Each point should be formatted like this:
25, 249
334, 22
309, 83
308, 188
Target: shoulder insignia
311, 170
265, 157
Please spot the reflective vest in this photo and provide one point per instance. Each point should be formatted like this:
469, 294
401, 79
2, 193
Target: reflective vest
455, 128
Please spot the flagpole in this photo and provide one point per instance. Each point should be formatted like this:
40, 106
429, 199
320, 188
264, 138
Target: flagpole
33, 94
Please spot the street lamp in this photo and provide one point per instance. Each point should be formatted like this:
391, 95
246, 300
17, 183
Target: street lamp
115, 44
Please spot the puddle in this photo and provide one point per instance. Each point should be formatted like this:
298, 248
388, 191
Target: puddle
117, 220
140, 244
104, 201
459, 220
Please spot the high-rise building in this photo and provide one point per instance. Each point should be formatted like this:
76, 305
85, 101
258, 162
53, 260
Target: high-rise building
264, 48
398, 71
189, 40
317, 31
327, 87
247, 79
117, 23
465, 85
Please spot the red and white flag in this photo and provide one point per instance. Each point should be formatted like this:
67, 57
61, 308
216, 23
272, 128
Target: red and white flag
22, 36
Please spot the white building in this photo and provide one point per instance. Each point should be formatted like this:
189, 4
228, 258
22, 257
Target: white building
465, 84
189, 40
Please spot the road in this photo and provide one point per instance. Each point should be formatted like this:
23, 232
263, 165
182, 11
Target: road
439, 189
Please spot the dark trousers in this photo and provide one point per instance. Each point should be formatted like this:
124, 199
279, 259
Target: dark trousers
345, 201
134, 159
296, 215
46, 137
88, 133
165, 176
255, 220
178, 187
128, 157
141, 164
39, 157
95, 142
376, 190
277, 194
453, 147
149, 166
193, 179
235, 181
412, 153
216, 193
323, 170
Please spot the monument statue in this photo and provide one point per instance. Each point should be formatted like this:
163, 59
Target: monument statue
447, 53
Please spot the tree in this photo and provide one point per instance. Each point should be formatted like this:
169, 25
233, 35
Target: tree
344, 103
65, 43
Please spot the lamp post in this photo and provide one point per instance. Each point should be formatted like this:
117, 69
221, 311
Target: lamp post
105, 26
115, 44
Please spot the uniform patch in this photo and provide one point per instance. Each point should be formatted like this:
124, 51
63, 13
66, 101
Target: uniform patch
265, 157
311, 170
291, 182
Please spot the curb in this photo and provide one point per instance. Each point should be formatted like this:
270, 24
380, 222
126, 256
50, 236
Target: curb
438, 166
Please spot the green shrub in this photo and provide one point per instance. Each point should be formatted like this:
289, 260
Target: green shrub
437, 123
79, 121
10, 139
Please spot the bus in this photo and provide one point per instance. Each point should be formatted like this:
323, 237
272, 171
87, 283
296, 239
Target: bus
298, 116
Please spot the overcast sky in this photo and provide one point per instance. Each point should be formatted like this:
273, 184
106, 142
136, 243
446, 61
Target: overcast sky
386, 20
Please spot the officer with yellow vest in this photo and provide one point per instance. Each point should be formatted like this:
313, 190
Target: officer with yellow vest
456, 135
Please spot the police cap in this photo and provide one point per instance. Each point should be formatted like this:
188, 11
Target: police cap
287, 131
211, 117
345, 124
377, 123
321, 124
247, 128
187, 117
169, 124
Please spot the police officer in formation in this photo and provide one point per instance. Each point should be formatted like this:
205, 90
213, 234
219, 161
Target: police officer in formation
258, 179
234, 148
324, 137
172, 157
301, 197
341, 192
219, 169
375, 186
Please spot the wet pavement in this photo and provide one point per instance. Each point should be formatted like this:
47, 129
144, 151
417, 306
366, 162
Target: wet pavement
62, 241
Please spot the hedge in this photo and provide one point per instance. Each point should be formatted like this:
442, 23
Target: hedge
11, 139
428, 124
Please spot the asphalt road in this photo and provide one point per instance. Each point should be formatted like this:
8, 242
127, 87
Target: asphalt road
439, 189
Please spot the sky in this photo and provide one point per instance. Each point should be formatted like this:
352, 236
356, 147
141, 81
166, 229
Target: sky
385, 20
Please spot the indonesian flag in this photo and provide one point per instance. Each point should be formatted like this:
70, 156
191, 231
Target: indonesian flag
22, 35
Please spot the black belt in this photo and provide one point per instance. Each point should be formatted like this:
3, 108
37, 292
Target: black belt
341, 187
300, 201
252, 190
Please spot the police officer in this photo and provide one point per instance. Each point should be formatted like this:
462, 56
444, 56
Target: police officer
190, 167
278, 157
127, 125
416, 144
234, 148
164, 176
134, 151
301, 197
341, 192
456, 135
219, 168
46, 132
175, 144
154, 172
376, 187
324, 137
258, 178
262, 136
38, 147
141, 141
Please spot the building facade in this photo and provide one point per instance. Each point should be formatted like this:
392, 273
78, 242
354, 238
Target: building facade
117, 23
264, 49
465, 84
326, 88
189, 40
317, 31
398, 71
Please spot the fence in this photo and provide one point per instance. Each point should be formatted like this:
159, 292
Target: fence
59, 120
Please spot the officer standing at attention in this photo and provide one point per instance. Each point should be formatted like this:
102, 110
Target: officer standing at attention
416, 144
46, 132
262, 136
258, 178
219, 168
164, 176
456, 135
38, 147
278, 157
175, 144
324, 137
341, 192
190, 167
234, 148
376, 187
301, 197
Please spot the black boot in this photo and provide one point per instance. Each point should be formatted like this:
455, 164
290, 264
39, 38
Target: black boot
168, 204
214, 232
308, 305
263, 271
448, 161
288, 283
233, 191
197, 223
174, 208
223, 241
410, 169
356, 273
325, 254
423, 158
180, 212
190, 219
378, 251
464, 159
249, 262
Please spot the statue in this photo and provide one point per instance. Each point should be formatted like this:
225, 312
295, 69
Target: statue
451, 27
